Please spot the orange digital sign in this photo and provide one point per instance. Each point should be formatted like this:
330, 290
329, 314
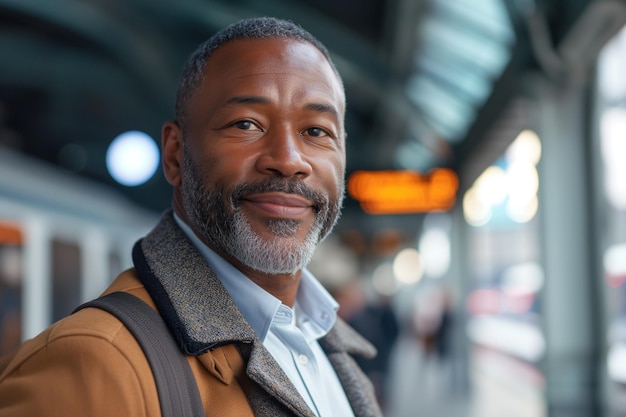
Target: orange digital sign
403, 192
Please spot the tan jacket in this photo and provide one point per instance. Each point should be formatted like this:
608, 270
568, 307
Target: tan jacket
89, 364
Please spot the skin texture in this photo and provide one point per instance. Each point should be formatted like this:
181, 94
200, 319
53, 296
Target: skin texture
269, 111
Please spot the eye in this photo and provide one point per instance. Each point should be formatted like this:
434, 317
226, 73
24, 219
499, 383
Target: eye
245, 125
316, 132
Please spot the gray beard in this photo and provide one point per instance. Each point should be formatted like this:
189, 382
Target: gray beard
216, 215
282, 256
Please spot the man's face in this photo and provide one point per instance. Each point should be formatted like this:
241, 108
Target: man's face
264, 154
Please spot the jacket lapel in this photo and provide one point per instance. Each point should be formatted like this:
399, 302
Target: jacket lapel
265, 371
339, 344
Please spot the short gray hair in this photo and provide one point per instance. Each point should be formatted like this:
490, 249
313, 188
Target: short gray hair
253, 28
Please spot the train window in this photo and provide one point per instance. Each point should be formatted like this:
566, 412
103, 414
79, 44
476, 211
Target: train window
11, 277
66, 274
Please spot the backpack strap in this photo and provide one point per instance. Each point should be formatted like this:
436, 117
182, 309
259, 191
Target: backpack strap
176, 385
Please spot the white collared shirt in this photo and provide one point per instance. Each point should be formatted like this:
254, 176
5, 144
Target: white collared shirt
290, 335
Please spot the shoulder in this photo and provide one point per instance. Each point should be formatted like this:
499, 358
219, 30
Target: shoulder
87, 330
94, 355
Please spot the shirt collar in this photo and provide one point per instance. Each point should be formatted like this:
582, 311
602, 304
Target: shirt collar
316, 309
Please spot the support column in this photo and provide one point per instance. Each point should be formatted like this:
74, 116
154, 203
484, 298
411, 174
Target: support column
569, 308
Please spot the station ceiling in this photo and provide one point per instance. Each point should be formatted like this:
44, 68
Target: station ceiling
423, 77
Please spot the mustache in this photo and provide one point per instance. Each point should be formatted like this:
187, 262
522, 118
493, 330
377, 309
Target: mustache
283, 185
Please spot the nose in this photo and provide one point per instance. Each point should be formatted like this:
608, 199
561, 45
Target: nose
283, 155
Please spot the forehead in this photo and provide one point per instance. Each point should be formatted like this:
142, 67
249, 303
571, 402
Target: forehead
247, 60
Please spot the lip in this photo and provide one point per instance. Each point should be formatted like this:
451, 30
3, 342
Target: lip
279, 205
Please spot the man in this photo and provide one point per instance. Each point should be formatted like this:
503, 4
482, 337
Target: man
256, 157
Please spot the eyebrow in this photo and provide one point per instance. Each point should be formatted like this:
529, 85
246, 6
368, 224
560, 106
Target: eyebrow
324, 108
317, 107
247, 100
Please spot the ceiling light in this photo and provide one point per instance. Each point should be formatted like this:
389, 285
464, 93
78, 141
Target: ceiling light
132, 158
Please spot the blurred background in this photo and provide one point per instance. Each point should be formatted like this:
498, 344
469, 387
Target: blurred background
483, 242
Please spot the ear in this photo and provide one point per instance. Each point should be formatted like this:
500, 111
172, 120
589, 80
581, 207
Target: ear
172, 148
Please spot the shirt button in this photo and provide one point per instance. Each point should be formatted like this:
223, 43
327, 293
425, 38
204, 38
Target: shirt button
303, 359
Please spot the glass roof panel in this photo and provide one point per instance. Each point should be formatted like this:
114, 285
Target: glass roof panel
487, 17
463, 47
471, 82
448, 115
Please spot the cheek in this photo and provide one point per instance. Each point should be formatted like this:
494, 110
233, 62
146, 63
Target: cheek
225, 167
334, 174
340, 167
